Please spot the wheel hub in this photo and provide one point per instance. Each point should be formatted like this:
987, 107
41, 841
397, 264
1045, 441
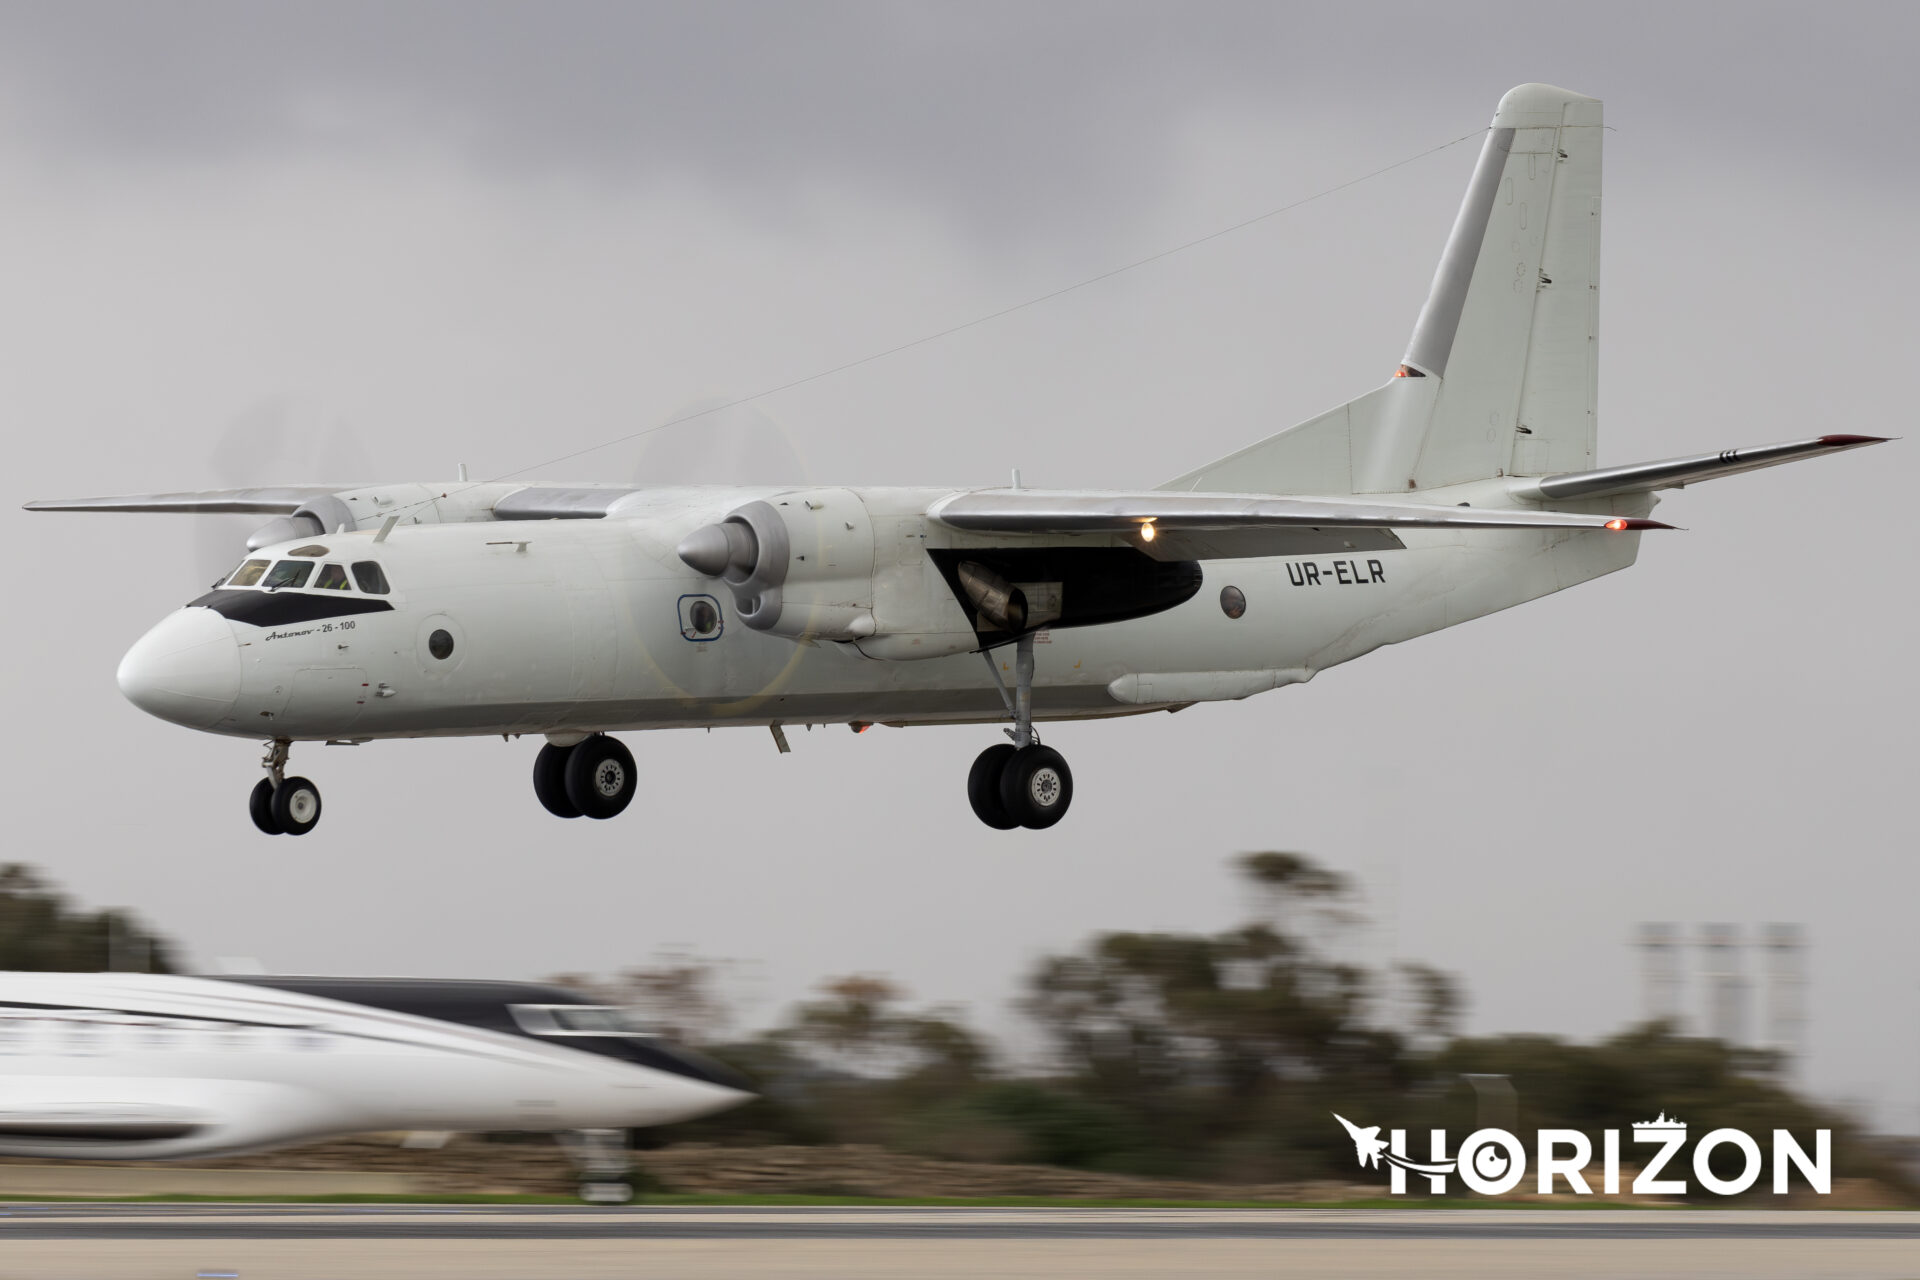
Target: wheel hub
301, 805
1044, 787
610, 779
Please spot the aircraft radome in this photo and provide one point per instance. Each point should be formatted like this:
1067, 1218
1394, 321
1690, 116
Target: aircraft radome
137, 1066
1464, 485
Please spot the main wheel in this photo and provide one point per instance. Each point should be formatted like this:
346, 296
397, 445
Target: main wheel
1036, 787
600, 776
260, 808
983, 787
550, 781
296, 806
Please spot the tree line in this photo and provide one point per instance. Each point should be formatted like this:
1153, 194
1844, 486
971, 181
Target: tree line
1214, 1057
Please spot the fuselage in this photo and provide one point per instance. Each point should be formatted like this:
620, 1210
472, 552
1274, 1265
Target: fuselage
582, 625
142, 1066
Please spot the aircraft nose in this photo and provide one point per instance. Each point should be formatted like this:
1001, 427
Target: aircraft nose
186, 670
690, 1099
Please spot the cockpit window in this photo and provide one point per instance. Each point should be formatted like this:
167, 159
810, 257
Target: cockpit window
371, 578
332, 578
577, 1020
290, 573
248, 573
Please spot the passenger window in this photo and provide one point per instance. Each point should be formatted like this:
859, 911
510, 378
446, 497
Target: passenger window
371, 578
248, 573
290, 573
332, 578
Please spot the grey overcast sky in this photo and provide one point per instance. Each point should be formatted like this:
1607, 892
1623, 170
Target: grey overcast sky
257, 243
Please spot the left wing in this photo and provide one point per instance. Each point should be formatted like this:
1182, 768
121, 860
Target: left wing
1207, 526
276, 500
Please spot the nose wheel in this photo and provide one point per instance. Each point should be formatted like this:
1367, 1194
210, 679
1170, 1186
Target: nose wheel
593, 778
600, 1156
1019, 783
280, 805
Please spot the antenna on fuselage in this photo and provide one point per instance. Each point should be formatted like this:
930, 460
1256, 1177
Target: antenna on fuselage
463, 472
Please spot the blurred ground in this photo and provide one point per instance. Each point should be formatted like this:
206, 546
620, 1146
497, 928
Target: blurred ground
379, 1165
98, 1242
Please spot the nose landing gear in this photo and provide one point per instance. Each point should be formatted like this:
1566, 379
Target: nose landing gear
600, 1156
279, 805
1019, 784
592, 778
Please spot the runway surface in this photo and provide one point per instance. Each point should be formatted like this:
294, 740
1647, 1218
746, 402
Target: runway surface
319, 1242
549, 1222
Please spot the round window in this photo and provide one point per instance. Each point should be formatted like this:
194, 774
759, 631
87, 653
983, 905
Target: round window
440, 644
1233, 601
703, 617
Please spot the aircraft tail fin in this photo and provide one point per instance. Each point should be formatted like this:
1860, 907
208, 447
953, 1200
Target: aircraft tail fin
1501, 374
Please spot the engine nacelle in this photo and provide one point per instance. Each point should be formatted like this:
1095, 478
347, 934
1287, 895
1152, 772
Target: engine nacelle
799, 564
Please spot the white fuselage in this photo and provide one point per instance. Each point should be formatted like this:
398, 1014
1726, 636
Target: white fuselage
140, 1066
581, 625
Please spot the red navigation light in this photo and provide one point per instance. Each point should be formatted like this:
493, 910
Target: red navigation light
1616, 524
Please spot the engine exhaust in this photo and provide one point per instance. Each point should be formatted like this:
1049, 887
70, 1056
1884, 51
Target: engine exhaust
999, 601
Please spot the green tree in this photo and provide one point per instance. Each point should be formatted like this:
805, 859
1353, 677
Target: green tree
40, 930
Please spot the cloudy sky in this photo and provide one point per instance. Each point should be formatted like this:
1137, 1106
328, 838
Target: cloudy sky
257, 243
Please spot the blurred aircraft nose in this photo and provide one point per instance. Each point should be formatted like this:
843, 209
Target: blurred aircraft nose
684, 1099
186, 670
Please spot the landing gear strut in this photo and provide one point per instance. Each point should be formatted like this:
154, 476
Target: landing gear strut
1019, 784
279, 805
593, 777
601, 1157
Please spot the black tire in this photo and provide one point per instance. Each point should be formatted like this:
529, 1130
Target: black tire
600, 777
296, 806
983, 787
550, 781
1036, 787
260, 808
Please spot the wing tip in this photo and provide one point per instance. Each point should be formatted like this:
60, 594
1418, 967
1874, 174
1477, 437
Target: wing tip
1846, 441
1626, 524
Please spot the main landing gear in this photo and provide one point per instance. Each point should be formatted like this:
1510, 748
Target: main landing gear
279, 805
1019, 783
588, 777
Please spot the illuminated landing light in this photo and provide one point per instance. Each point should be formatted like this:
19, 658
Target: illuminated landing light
1146, 532
1616, 524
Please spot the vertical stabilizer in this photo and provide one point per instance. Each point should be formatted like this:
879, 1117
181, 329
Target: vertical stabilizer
1501, 375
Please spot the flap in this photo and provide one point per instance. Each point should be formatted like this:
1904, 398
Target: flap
1173, 525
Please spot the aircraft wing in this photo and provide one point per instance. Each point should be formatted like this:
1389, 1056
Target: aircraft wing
1205, 526
1675, 473
276, 500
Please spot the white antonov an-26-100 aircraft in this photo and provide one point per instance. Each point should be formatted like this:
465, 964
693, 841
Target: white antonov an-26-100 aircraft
1464, 485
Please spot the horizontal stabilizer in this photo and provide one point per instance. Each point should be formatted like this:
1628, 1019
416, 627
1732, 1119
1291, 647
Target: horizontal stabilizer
278, 500
1675, 473
1170, 525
